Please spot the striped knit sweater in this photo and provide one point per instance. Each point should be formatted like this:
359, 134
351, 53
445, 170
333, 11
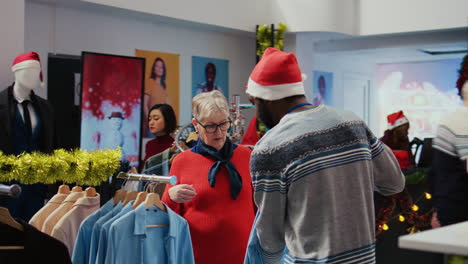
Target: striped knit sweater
449, 180
314, 175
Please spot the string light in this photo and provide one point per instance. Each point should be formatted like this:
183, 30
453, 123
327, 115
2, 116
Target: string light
401, 218
427, 195
415, 208
385, 227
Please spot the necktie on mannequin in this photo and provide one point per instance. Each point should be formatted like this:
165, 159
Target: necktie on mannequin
27, 118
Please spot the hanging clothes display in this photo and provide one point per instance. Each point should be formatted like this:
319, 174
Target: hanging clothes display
66, 205
39, 218
97, 231
21, 242
167, 237
150, 235
103, 235
38, 247
81, 251
66, 229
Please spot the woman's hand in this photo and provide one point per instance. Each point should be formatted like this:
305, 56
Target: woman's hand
182, 193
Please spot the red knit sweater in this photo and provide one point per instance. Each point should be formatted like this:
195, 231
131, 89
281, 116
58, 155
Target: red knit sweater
219, 226
157, 145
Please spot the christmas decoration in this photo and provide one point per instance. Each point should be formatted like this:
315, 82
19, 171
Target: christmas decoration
264, 37
76, 166
401, 206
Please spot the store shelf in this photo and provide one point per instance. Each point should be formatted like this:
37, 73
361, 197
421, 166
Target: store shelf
452, 239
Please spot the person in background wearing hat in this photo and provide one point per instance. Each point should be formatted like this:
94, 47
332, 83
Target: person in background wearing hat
313, 172
26, 122
396, 138
448, 177
214, 193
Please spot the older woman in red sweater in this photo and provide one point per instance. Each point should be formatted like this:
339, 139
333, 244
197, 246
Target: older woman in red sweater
214, 193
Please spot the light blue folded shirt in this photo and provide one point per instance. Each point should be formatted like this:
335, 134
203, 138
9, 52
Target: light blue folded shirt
137, 237
83, 240
102, 245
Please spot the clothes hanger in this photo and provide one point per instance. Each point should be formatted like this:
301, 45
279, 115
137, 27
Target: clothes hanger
90, 192
153, 199
141, 197
63, 189
7, 219
119, 196
130, 196
77, 189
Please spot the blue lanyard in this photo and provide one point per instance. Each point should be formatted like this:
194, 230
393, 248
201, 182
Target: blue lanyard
297, 106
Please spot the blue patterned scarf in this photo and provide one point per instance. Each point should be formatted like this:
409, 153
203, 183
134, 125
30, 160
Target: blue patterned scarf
221, 157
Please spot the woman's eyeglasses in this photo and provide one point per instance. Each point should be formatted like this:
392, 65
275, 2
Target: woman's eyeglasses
212, 128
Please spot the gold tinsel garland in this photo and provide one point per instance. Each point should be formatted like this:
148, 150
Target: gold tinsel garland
76, 166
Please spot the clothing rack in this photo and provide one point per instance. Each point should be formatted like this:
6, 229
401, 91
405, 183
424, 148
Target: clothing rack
172, 180
13, 190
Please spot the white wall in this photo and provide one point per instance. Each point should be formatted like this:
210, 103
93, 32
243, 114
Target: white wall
70, 31
12, 37
383, 16
239, 14
317, 15
354, 17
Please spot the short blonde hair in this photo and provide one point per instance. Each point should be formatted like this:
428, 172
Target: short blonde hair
205, 104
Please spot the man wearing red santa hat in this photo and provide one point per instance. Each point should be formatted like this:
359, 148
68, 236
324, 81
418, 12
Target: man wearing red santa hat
27, 125
313, 173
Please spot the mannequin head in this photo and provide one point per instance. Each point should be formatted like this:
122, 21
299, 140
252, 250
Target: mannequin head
28, 74
27, 79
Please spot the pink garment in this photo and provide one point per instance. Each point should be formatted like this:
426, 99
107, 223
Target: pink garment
39, 218
66, 205
66, 230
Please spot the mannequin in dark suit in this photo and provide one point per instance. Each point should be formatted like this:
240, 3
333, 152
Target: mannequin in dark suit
15, 138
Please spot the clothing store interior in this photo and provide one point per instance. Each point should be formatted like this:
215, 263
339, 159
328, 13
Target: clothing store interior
249, 131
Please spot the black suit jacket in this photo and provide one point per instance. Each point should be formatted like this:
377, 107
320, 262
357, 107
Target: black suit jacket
7, 115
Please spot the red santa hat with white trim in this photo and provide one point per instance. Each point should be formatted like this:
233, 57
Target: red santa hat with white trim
396, 119
277, 75
28, 60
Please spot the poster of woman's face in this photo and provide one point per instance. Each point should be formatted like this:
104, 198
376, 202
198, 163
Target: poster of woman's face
322, 92
161, 84
210, 74
112, 91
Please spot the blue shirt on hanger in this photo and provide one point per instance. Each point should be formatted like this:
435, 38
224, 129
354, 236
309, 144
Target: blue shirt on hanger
83, 240
97, 231
150, 235
102, 245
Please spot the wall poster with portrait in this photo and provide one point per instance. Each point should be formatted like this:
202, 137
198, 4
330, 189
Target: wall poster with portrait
322, 92
112, 92
161, 85
210, 74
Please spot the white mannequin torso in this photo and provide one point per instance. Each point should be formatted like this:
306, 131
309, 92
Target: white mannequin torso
26, 80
